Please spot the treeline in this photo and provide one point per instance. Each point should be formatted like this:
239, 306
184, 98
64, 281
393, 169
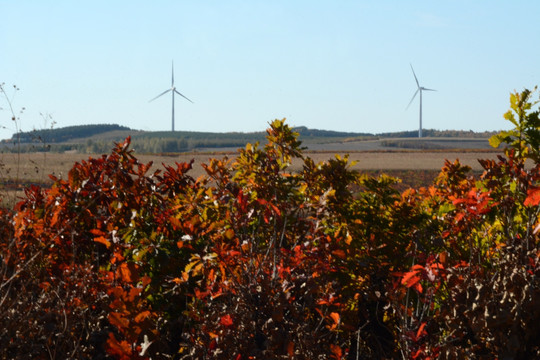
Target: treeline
99, 139
440, 133
144, 145
305, 132
49, 136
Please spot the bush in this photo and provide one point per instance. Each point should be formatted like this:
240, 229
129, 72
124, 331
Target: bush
253, 261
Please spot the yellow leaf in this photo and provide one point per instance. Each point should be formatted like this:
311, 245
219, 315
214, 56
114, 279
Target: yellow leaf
229, 234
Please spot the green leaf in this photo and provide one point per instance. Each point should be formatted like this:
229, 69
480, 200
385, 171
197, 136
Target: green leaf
495, 141
510, 117
445, 209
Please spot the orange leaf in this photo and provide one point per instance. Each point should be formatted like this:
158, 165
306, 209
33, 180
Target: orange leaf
128, 272
339, 253
443, 257
175, 222
211, 277
117, 257
133, 293
118, 320
54, 219
335, 316
146, 280
97, 232
143, 315
102, 240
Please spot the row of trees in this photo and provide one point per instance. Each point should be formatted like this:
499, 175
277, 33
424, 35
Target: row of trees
56, 135
251, 261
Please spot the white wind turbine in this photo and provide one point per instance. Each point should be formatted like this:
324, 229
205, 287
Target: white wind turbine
419, 90
173, 91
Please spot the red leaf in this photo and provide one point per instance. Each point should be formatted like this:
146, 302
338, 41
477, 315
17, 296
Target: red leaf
290, 348
336, 351
412, 279
533, 197
226, 320
122, 349
421, 330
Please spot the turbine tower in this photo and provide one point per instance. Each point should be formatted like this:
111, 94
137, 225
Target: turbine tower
173, 91
419, 90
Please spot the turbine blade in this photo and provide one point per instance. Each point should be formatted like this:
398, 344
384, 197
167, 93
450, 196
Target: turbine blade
412, 98
429, 89
172, 75
176, 91
163, 93
417, 83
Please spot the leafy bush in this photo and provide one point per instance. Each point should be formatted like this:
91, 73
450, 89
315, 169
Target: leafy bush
252, 261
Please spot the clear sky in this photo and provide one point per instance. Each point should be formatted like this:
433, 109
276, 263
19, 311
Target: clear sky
335, 65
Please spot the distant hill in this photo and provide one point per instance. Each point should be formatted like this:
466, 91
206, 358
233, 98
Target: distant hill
64, 134
99, 138
439, 134
305, 132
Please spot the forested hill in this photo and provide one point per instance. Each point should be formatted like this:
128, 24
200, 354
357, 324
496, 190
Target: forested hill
69, 133
99, 138
439, 134
305, 132
64, 134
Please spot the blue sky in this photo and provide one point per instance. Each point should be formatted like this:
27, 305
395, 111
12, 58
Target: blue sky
336, 65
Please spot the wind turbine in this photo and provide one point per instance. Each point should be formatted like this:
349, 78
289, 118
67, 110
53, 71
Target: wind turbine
173, 91
419, 90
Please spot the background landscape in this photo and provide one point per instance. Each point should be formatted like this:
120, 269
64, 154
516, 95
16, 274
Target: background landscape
347, 180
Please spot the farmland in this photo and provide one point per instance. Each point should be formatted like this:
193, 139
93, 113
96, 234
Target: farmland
415, 161
35, 167
371, 153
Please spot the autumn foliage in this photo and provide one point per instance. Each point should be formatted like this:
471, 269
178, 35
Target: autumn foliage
252, 261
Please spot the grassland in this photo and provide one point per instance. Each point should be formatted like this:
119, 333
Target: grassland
415, 161
35, 167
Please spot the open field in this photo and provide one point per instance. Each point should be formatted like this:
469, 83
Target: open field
35, 167
415, 161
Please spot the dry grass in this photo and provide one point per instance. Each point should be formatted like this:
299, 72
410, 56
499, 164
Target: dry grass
35, 167
28, 168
